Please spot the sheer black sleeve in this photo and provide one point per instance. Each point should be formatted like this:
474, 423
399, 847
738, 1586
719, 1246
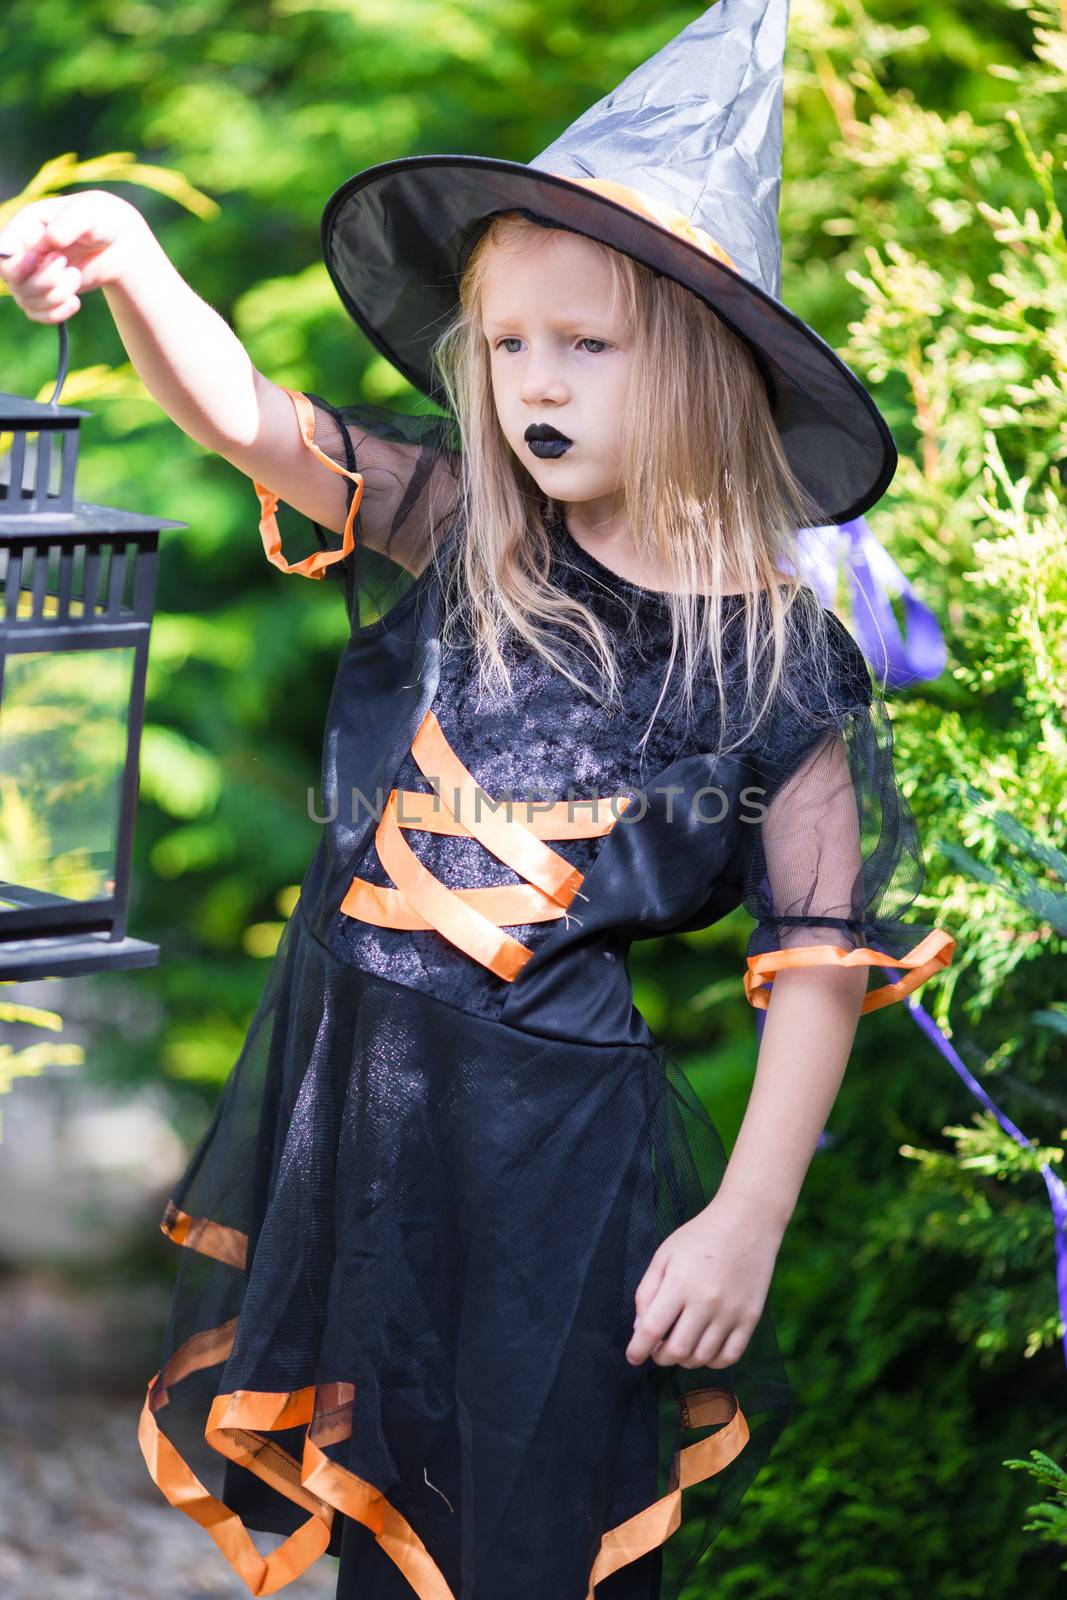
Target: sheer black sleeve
835, 864
403, 476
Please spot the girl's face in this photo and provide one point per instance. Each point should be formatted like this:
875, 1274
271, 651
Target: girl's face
561, 360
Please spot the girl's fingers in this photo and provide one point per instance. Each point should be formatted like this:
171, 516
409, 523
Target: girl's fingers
653, 1323
649, 1285
48, 289
63, 247
25, 230
681, 1339
23, 270
59, 312
81, 219
710, 1345
38, 280
22, 265
67, 284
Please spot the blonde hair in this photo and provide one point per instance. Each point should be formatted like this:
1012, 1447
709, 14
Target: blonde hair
708, 488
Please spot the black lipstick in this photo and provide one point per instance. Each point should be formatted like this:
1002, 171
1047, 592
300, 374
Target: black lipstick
545, 441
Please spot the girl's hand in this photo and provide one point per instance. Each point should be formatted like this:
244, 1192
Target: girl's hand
705, 1288
63, 246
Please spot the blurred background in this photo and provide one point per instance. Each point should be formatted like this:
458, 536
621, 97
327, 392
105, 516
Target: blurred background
915, 1295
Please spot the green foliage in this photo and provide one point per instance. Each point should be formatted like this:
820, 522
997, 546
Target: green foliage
1050, 1516
32, 1059
941, 1281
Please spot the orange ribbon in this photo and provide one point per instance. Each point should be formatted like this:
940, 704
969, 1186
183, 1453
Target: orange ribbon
926, 958
311, 566
238, 1422
472, 919
658, 211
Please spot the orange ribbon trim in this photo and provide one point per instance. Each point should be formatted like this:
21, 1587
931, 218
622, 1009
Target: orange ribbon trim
183, 1489
555, 821
208, 1238
668, 217
322, 1487
692, 1464
930, 955
311, 566
237, 1422
472, 919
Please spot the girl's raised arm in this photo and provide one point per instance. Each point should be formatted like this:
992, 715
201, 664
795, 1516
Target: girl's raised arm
184, 352
294, 447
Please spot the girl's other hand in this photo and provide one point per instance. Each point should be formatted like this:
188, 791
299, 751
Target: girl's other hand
705, 1288
63, 246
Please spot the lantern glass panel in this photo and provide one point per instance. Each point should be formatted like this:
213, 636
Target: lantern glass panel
63, 747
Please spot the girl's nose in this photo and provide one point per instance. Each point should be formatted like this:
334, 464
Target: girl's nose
541, 380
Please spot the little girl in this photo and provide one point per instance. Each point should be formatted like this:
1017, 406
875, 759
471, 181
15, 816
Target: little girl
470, 1295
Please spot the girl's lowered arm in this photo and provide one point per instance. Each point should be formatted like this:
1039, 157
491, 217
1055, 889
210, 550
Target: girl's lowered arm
811, 845
810, 1025
707, 1283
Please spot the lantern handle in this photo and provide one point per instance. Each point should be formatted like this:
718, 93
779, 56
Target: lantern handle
61, 374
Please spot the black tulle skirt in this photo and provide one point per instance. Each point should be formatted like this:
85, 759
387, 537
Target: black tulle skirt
412, 1239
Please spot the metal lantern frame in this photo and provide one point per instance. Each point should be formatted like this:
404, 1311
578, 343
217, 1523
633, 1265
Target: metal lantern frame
74, 577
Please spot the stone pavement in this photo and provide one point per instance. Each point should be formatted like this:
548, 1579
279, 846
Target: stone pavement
80, 1519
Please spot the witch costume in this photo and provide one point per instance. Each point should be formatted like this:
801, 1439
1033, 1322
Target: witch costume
415, 1226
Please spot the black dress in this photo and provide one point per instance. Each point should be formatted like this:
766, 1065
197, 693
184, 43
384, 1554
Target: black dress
444, 1159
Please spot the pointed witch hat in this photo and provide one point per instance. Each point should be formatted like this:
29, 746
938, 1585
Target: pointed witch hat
678, 167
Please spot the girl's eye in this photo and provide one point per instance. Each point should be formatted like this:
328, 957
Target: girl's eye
512, 339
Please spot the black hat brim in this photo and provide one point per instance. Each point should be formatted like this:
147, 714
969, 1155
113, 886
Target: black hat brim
396, 238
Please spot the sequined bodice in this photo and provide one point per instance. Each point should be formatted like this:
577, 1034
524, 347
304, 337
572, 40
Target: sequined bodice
546, 740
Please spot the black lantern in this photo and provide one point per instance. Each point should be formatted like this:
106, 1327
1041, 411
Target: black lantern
77, 588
